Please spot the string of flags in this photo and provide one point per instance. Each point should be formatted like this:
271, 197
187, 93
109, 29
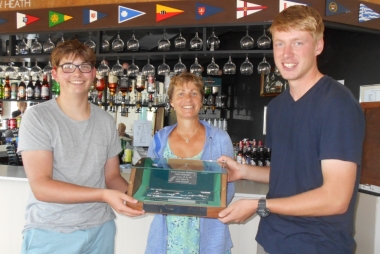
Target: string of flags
243, 9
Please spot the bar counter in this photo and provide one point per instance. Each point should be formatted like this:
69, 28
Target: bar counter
131, 232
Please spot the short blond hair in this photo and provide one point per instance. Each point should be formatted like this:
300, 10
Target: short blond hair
299, 17
184, 78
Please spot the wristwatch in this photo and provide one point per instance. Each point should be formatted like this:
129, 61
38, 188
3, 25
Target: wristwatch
262, 209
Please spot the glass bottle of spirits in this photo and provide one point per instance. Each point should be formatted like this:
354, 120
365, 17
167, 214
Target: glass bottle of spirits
21, 90
14, 88
7, 88
55, 89
37, 89
1, 89
45, 89
30, 89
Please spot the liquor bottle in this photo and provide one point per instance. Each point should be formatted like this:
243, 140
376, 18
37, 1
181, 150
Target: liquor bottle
260, 155
22, 90
112, 84
268, 157
254, 156
37, 89
45, 89
55, 89
239, 156
14, 89
1, 89
7, 88
30, 89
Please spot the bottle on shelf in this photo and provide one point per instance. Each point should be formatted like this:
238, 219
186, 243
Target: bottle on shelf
30, 89
55, 89
1, 89
21, 90
7, 88
45, 89
14, 91
37, 89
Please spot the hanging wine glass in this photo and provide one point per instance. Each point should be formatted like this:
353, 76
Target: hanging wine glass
213, 42
118, 43
62, 40
1, 71
10, 70
264, 41
48, 68
117, 69
180, 42
246, 68
23, 71
263, 67
179, 67
36, 47
164, 44
163, 68
35, 71
48, 46
196, 68
229, 68
90, 43
133, 69
148, 69
105, 44
23, 48
196, 43
133, 44
247, 41
212, 68
103, 68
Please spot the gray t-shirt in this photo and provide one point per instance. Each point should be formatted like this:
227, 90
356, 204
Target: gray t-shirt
80, 151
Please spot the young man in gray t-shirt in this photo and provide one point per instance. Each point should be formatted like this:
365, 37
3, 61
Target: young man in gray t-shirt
70, 153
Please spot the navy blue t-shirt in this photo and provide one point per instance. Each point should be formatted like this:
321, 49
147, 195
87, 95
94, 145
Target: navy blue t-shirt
327, 122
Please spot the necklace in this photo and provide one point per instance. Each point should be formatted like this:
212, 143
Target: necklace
187, 140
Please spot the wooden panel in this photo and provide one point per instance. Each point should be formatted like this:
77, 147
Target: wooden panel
188, 17
371, 148
14, 5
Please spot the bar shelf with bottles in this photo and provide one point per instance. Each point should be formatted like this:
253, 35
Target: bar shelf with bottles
252, 152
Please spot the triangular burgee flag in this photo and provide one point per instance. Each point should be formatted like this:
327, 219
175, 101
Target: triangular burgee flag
334, 7
165, 12
24, 19
56, 18
285, 4
366, 14
244, 8
91, 16
128, 13
204, 10
2, 21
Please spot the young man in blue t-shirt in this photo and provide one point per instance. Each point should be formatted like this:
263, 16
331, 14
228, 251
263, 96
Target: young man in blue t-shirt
316, 132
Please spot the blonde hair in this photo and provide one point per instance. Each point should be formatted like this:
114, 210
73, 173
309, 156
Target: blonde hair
184, 78
301, 18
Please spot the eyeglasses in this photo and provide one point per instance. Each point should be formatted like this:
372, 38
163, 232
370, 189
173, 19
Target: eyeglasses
70, 67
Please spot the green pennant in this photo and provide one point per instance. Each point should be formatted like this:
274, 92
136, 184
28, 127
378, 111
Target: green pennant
56, 18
